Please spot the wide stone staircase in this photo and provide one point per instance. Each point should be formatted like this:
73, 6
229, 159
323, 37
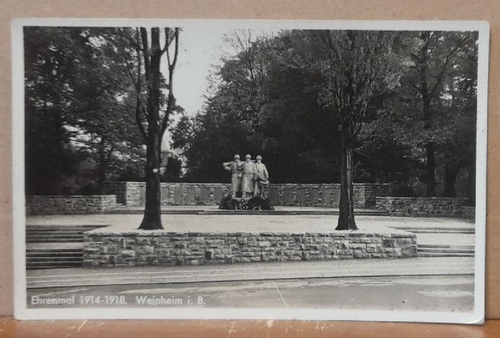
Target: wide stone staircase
55, 246
458, 243
434, 250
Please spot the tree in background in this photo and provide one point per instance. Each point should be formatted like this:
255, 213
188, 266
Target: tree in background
86, 88
80, 126
295, 97
433, 112
49, 70
355, 67
433, 60
107, 120
263, 106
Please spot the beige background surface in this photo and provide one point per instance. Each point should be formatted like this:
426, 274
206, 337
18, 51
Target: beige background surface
488, 10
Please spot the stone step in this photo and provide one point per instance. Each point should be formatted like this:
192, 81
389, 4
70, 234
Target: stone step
425, 250
54, 240
54, 266
288, 213
440, 250
438, 230
364, 212
57, 234
49, 235
57, 231
51, 260
137, 211
444, 246
44, 255
49, 248
62, 227
55, 261
441, 254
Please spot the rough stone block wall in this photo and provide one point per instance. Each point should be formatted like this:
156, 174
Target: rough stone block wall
317, 195
136, 248
469, 213
421, 206
69, 205
135, 193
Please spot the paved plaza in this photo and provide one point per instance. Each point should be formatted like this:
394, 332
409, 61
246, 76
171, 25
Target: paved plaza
432, 230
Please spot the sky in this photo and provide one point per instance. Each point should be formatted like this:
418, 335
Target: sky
201, 49
202, 46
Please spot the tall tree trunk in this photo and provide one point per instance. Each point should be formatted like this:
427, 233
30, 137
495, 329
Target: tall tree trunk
431, 169
471, 185
102, 165
451, 173
346, 209
152, 211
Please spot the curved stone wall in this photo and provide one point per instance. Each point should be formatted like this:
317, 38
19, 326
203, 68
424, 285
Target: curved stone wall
69, 205
316, 195
422, 206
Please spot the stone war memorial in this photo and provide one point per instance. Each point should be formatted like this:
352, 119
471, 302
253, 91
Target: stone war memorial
307, 156
247, 192
289, 208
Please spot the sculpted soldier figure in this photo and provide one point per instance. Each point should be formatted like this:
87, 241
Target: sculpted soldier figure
261, 177
247, 180
235, 167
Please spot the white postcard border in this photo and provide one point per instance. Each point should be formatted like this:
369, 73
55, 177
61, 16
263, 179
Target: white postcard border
19, 218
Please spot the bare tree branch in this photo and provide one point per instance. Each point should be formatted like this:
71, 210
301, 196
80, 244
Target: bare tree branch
445, 65
414, 85
138, 86
171, 97
145, 50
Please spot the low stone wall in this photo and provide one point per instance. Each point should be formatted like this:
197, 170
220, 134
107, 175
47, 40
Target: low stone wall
469, 213
141, 248
134, 193
316, 195
323, 195
69, 205
421, 206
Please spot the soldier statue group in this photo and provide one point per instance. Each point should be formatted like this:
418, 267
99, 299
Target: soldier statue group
248, 181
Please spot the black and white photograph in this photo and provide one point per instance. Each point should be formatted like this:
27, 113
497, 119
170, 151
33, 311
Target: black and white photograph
211, 169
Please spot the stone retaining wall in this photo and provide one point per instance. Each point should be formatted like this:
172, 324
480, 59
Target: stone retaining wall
421, 206
141, 248
316, 195
69, 205
469, 213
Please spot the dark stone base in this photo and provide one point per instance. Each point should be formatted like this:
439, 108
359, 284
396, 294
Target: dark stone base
254, 203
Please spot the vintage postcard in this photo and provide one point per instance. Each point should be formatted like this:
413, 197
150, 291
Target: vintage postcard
208, 169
